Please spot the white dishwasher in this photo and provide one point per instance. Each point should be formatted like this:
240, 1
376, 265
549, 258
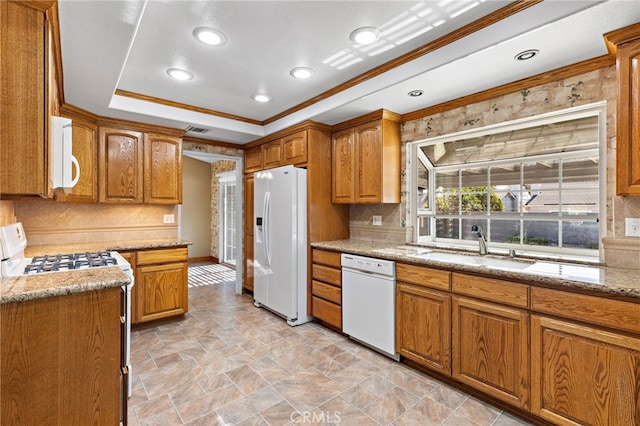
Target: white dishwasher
369, 302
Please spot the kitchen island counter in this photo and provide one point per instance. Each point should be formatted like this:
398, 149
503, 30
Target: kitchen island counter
39, 286
616, 282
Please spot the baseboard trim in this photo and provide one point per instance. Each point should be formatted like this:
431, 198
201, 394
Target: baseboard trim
203, 259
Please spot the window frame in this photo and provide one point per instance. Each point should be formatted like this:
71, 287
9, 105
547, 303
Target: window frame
597, 109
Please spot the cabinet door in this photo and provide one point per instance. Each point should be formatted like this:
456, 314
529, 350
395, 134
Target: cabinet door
272, 154
85, 149
248, 232
490, 349
368, 163
23, 157
161, 291
90, 340
628, 126
253, 159
120, 166
162, 169
583, 375
342, 167
295, 148
248, 203
248, 261
29, 361
423, 326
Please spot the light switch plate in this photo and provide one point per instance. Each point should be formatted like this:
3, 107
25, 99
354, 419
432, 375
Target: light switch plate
632, 227
377, 220
169, 218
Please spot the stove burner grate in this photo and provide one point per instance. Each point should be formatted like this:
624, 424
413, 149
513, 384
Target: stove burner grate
67, 262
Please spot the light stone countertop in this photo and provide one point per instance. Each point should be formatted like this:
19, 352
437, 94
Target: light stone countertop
51, 249
36, 286
562, 275
50, 284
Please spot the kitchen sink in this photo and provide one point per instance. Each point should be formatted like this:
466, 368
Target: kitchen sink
471, 260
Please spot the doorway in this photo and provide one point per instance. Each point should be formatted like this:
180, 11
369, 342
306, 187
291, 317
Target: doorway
227, 220
234, 218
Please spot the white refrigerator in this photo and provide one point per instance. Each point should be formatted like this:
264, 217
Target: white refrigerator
280, 243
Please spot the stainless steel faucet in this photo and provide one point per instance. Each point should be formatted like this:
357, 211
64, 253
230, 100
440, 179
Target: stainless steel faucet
477, 229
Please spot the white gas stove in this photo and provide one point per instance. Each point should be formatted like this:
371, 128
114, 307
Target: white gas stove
13, 242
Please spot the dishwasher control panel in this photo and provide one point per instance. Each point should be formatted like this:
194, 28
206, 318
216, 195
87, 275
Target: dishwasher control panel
369, 264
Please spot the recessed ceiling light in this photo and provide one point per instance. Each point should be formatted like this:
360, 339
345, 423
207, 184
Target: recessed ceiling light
526, 55
365, 35
261, 98
415, 93
179, 74
209, 36
302, 73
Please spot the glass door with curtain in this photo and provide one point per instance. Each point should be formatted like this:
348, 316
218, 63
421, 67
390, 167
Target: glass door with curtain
228, 223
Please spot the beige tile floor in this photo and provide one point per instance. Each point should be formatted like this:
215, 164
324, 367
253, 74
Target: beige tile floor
229, 362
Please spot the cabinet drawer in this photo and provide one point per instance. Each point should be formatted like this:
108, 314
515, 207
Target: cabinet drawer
326, 274
149, 257
423, 276
506, 292
326, 291
595, 310
327, 312
329, 258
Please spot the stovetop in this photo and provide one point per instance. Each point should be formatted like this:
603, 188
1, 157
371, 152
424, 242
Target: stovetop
66, 262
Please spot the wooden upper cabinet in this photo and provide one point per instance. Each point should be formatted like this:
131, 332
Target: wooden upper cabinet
624, 44
366, 159
253, 159
85, 149
272, 154
342, 155
120, 165
295, 148
136, 167
162, 169
23, 157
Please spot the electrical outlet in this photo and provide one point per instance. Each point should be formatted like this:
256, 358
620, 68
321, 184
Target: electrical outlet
632, 227
169, 218
377, 220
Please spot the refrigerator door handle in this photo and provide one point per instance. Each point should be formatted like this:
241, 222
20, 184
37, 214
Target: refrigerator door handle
266, 227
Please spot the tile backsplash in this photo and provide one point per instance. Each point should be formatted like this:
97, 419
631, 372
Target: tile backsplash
50, 222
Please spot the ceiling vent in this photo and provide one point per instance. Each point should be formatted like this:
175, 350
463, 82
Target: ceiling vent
197, 129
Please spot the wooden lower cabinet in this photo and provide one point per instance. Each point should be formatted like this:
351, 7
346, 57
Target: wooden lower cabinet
61, 360
423, 326
567, 358
161, 284
248, 262
490, 349
583, 375
326, 288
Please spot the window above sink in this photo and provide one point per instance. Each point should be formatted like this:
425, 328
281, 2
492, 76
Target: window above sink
534, 185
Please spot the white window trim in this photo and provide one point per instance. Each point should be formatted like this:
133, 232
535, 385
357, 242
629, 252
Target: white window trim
595, 109
224, 178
